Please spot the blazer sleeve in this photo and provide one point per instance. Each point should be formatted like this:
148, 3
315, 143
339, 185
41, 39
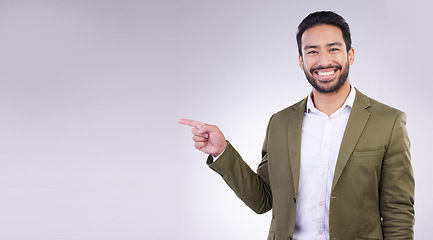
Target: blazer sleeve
252, 188
397, 185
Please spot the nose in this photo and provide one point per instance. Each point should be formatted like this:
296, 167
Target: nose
324, 59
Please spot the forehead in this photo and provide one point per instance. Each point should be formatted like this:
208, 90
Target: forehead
322, 35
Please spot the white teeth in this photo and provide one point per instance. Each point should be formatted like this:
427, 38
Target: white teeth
326, 73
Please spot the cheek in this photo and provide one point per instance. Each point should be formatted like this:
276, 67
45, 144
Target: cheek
308, 63
343, 60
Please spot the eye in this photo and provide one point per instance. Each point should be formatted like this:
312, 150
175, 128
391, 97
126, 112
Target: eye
311, 52
334, 49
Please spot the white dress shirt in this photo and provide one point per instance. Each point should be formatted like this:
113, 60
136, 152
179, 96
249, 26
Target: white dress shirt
320, 145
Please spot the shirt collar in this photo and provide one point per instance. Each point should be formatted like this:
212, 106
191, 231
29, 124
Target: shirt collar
348, 103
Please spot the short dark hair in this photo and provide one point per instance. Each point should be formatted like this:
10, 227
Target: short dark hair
324, 17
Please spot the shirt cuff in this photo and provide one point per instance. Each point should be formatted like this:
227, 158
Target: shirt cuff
216, 158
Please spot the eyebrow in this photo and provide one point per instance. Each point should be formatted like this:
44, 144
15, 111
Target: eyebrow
328, 45
334, 44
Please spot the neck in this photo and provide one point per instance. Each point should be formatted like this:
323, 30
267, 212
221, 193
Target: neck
329, 103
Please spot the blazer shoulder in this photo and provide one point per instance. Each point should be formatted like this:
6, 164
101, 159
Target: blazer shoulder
375, 107
297, 106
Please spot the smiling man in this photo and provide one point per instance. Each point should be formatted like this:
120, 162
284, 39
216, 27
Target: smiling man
335, 165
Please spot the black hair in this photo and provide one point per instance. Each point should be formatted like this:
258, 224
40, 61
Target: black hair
324, 17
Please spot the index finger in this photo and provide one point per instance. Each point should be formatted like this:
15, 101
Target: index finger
190, 123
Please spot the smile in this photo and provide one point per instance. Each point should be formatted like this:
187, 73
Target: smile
326, 73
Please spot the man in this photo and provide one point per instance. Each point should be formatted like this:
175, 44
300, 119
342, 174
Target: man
335, 165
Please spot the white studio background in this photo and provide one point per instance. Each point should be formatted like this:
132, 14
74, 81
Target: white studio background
91, 91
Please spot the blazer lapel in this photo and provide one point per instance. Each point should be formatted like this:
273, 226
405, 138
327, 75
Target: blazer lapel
296, 117
355, 125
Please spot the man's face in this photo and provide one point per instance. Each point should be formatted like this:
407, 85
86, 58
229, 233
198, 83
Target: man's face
324, 59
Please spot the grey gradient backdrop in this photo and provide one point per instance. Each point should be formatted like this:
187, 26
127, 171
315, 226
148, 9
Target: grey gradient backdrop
91, 91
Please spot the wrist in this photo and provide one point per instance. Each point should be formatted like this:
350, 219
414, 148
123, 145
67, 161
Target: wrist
223, 148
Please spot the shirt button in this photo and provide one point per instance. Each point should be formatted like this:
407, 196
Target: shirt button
321, 204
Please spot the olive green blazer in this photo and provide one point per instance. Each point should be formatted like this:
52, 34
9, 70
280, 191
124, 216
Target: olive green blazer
372, 194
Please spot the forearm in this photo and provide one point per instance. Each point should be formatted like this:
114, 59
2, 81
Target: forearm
246, 184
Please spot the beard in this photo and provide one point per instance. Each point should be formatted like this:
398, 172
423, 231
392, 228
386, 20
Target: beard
330, 89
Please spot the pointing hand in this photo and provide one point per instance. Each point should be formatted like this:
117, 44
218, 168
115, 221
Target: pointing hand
208, 138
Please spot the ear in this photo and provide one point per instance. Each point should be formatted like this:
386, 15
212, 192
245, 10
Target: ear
351, 56
301, 62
